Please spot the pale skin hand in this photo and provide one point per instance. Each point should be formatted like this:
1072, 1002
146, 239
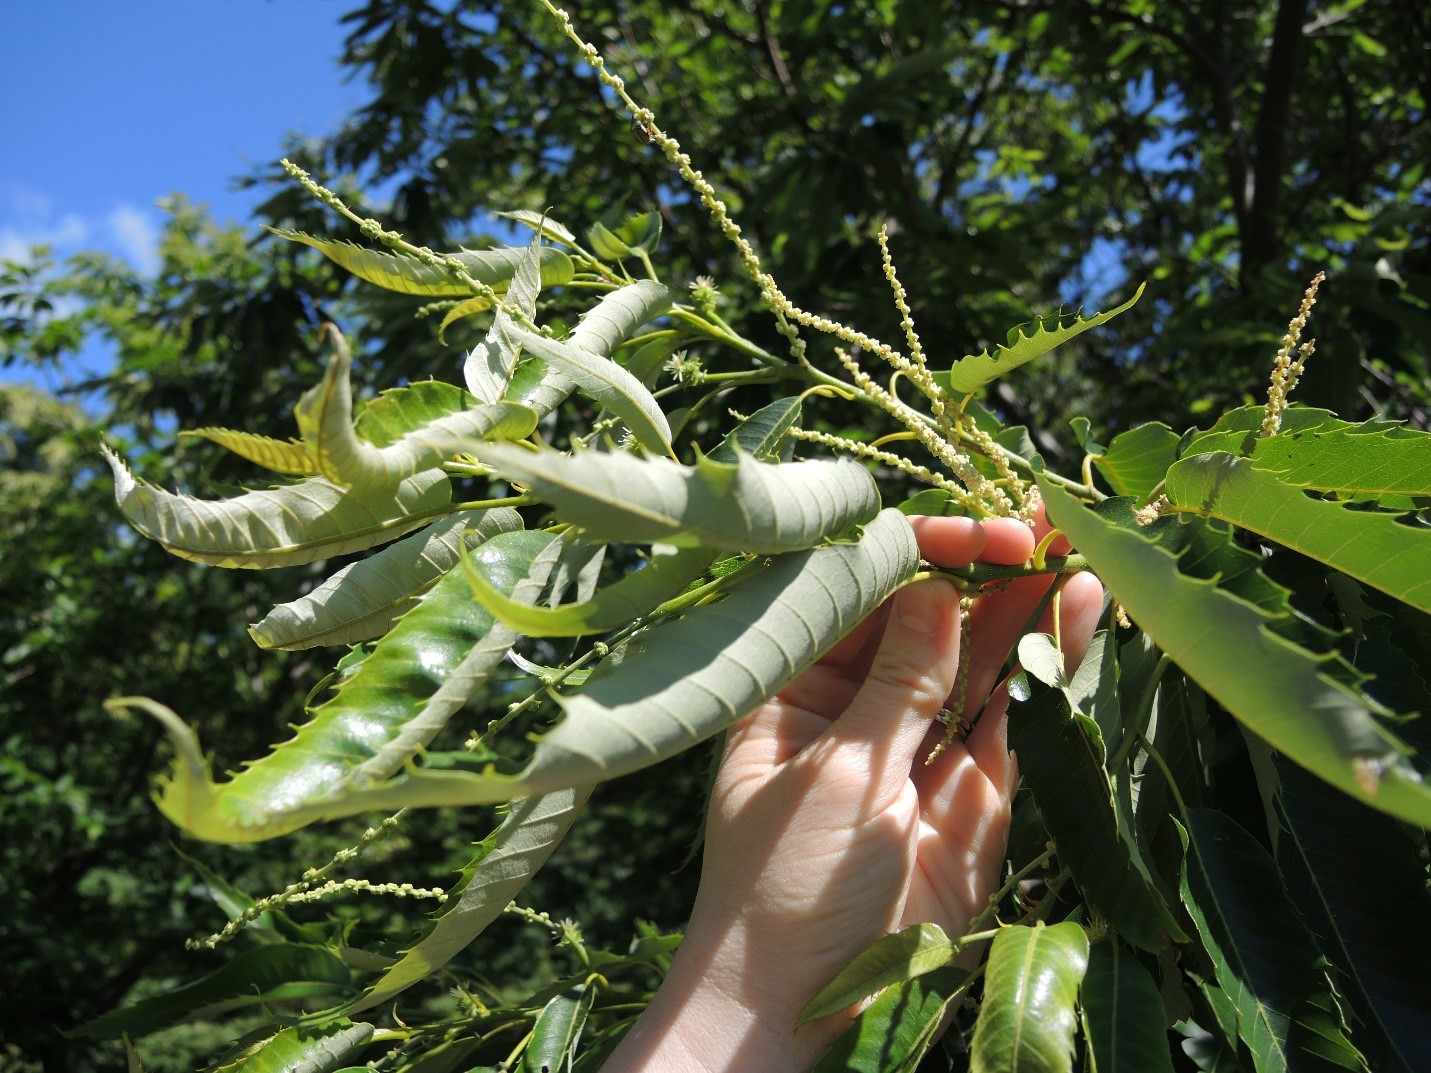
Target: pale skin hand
827, 829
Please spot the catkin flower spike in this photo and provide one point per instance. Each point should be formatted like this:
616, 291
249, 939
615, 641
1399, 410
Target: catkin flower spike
1287, 370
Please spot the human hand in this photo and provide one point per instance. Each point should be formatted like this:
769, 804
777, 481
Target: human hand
827, 829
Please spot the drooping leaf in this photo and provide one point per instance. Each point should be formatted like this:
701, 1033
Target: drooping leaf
1290, 702
1029, 1014
265, 974
1266, 962
1025, 343
667, 573
1136, 461
325, 417
604, 380
687, 680
1065, 772
488, 368
408, 275
749, 506
504, 863
894, 959
380, 716
557, 1032
284, 526
362, 600
1123, 1013
895, 1031
1370, 546
281, 456
301, 1050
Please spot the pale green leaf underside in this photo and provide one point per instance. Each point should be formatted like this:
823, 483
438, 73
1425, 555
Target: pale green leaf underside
1216, 637
488, 367
542, 224
688, 680
285, 526
325, 417
516, 850
281, 456
1026, 343
1028, 1016
407, 275
1372, 547
893, 959
669, 571
750, 506
361, 600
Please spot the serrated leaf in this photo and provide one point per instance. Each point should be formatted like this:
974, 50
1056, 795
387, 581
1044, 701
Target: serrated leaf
1371, 458
763, 434
398, 411
608, 383
1123, 1013
408, 275
280, 456
1238, 431
505, 862
488, 368
1266, 962
1135, 462
265, 974
1290, 702
325, 417
748, 507
284, 526
667, 573
362, 600
689, 680
1064, 769
300, 1050
542, 224
380, 716
1370, 546
1025, 343
893, 959
558, 1031
1029, 1014
893, 1033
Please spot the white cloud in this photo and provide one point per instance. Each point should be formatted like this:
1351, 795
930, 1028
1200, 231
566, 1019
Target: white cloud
137, 236
28, 219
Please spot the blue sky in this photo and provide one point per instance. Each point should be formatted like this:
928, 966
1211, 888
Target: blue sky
111, 105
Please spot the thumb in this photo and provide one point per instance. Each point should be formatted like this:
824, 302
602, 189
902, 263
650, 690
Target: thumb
911, 676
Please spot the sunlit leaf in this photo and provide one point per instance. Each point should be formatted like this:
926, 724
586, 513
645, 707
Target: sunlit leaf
1028, 1016
893, 959
1025, 343
300, 1050
408, 275
1370, 546
1135, 462
1123, 1013
558, 1031
283, 526
489, 365
749, 506
280, 456
896, 1030
1353, 458
542, 224
763, 434
1290, 702
362, 600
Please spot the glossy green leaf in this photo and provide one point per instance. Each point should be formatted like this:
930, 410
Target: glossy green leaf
1266, 962
1135, 462
362, 600
557, 1032
1064, 769
1024, 344
301, 1050
325, 417
895, 1031
281, 456
1290, 702
265, 974
667, 573
1372, 458
379, 717
604, 380
893, 959
488, 368
504, 863
283, 526
748, 507
1238, 431
1123, 1013
763, 434
407, 275
682, 682
1356, 879
1372, 547
1028, 1016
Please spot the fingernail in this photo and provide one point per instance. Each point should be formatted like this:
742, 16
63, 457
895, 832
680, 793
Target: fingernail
921, 606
